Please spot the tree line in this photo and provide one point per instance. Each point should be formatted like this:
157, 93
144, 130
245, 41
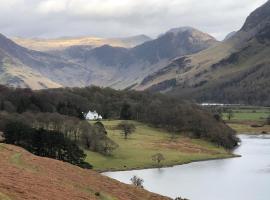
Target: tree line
158, 110
45, 143
82, 133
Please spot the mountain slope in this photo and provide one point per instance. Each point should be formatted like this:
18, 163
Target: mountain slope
25, 176
228, 36
83, 65
63, 43
14, 72
175, 42
121, 67
22, 67
235, 71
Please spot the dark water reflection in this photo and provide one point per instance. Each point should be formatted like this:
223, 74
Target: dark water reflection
245, 178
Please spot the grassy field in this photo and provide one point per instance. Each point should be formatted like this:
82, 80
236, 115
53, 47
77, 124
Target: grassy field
137, 150
248, 129
245, 118
249, 114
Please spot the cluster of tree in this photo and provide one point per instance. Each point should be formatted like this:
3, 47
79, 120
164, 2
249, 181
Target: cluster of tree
60, 101
156, 109
91, 137
97, 140
160, 111
219, 111
45, 143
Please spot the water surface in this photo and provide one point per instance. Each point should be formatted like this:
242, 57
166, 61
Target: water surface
244, 178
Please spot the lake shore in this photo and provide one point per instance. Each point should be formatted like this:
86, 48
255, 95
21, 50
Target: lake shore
168, 165
226, 178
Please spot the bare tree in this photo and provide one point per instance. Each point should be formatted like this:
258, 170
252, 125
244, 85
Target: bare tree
108, 146
158, 158
127, 128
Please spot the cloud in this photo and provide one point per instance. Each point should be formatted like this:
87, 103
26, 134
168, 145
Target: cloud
114, 18
52, 6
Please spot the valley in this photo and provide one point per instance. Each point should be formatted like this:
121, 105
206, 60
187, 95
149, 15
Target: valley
183, 62
110, 113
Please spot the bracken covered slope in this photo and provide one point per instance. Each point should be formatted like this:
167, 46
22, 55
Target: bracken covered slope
28, 177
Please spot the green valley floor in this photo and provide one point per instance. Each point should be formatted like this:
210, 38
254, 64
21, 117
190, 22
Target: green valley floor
136, 152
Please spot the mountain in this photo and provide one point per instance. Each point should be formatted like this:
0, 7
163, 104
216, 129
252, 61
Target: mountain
120, 67
65, 42
15, 72
234, 71
25, 176
21, 67
175, 42
229, 35
83, 65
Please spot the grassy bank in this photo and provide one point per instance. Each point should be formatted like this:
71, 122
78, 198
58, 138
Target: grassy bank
247, 128
249, 120
137, 150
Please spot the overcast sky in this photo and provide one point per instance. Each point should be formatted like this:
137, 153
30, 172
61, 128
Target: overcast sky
118, 18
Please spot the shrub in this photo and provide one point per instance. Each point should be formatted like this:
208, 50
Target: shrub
137, 181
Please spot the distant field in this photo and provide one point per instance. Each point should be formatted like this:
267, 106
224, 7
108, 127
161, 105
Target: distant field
248, 129
249, 113
136, 152
244, 119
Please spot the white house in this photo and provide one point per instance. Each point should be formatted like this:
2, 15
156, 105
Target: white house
93, 116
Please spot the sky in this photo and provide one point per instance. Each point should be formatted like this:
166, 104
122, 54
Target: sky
120, 18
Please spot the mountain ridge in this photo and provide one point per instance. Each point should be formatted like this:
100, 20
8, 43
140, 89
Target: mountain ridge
228, 72
117, 67
42, 44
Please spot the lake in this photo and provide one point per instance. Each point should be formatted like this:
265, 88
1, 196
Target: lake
243, 178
